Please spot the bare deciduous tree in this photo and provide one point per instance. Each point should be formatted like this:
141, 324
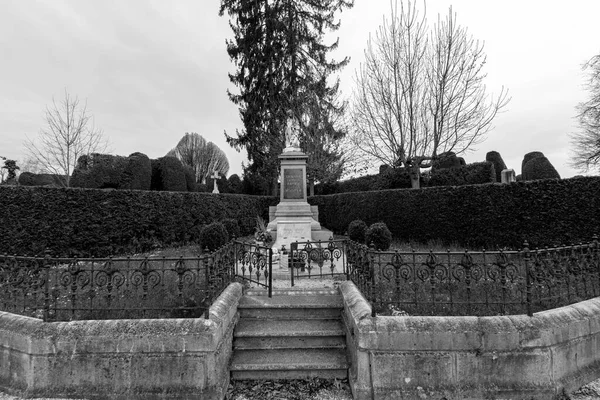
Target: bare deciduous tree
586, 142
69, 134
202, 156
420, 92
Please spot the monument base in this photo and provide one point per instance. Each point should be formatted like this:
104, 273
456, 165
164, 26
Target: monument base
295, 222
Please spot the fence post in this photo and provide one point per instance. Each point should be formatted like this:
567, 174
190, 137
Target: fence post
525, 252
271, 272
46, 288
207, 283
372, 291
293, 250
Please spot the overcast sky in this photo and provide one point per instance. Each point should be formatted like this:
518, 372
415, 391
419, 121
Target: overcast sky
153, 70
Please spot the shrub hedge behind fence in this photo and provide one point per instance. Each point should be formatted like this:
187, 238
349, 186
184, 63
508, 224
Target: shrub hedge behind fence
92, 222
544, 212
398, 178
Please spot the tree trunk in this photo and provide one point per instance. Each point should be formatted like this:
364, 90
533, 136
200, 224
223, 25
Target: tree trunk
311, 184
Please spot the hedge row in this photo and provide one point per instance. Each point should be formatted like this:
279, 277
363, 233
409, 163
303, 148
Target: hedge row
83, 222
544, 212
398, 178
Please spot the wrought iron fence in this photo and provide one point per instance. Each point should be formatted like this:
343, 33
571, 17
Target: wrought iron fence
317, 259
254, 264
474, 283
62, 289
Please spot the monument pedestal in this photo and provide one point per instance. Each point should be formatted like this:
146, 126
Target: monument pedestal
294, 219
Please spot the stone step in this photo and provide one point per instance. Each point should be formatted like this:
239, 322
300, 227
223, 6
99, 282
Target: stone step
289, 342
291, 313
293, 291
299, 301
287, 328
289, 364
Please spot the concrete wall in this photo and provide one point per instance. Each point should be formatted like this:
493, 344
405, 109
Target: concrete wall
471, 357
129, 359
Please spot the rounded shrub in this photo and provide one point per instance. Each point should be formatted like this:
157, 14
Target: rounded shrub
190, 178
98, 171
444, 160
168, 175
539, 168
379, 235
232, 227
137, 174
213, 236
356, 230
530, 156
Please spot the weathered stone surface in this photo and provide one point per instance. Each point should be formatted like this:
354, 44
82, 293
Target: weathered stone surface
187, 358
470, 357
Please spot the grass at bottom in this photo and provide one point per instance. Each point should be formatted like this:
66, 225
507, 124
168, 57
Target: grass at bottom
289, 389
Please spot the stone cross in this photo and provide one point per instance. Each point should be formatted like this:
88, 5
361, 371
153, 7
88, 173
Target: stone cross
215, 176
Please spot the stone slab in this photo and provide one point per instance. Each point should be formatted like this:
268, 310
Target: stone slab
289, 231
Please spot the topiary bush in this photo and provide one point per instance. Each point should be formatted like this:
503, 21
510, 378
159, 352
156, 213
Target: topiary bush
137, 174
168, 175
98, 171
539, 168
530, 156
444, 160
213, 236
379, 235
495, 158
190, 178
472, 174
356, 230
232, 227
31, 179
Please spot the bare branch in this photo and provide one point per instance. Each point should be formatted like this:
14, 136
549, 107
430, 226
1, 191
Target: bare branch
420, 92
69, 134
586, 143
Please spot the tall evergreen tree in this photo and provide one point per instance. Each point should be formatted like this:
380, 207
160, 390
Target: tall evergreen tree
282, 68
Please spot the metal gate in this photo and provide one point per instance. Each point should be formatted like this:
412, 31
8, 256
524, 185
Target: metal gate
254, 264
319, 259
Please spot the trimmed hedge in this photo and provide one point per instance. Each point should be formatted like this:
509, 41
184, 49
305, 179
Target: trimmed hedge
539, 168
471, 174
168, 174
398, 178
213, 236
499, 165
96, 222
544, 212
138, 172
100, 171
31, 179
104, 171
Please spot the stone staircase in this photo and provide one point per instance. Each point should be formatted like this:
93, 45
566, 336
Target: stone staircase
296, 334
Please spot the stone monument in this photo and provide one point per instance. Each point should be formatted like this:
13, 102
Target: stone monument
508, 176
215, 177
293, 219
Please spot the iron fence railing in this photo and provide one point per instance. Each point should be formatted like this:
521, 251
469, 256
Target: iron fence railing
474, 283
62, 289
317, 259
